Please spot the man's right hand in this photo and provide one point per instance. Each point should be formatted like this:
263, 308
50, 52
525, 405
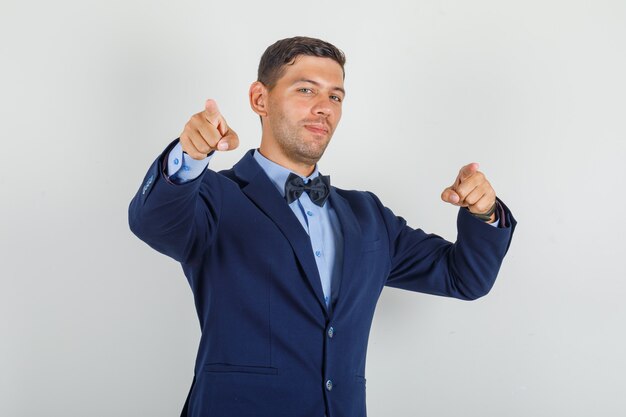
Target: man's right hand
207, 131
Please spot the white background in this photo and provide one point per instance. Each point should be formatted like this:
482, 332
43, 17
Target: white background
93, 322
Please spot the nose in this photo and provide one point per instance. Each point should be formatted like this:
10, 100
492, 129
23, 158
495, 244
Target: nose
322, 107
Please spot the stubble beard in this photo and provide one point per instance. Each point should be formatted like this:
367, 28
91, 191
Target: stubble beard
289, 137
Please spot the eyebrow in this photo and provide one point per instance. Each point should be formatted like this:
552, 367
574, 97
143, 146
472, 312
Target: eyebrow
304, 80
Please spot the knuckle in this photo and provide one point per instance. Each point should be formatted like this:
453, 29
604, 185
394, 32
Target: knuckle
204, 148
196, 120
214, 138
480, 207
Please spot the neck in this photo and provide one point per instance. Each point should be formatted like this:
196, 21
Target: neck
275, 154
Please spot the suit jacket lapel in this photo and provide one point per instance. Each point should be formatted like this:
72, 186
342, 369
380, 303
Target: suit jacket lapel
351, 241
263, 193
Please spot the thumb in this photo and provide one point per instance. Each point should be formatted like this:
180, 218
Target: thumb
229, 142
450, 196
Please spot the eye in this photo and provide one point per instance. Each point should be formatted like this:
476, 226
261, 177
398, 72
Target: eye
304, 90
336, 98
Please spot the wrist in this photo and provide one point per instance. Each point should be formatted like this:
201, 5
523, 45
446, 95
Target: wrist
489, 216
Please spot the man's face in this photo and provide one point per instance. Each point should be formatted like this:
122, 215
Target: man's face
304, 107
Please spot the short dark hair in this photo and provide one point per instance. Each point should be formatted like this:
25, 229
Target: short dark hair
284, 52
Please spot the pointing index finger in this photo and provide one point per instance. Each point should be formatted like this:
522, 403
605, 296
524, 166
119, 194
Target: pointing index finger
212, 115
467, 171
211, 112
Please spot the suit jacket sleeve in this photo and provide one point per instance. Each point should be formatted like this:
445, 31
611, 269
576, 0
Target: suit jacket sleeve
465, 269
178, 220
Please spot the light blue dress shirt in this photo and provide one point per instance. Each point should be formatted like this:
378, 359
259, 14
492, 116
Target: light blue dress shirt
320, 223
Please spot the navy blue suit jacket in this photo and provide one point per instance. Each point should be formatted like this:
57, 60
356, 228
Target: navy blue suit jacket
270, 347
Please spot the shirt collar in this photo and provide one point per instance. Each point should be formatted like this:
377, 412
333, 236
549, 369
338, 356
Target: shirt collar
277, 173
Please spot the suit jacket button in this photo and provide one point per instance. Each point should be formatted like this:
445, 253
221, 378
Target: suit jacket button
331, 332
329, 385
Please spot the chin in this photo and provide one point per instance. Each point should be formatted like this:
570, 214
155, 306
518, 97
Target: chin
315, 156
309, 158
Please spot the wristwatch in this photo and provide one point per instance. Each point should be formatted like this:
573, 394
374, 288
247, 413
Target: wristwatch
486, 216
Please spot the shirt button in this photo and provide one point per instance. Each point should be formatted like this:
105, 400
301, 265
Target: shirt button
331, 332
185, 168
176, 161
329, 385
318, 253
310, 213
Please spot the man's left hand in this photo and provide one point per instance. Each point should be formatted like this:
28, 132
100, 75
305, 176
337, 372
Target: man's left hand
472, 190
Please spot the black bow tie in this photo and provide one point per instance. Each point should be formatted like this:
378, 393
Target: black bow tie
317, 188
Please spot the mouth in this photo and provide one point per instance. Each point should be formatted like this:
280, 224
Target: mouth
317, 129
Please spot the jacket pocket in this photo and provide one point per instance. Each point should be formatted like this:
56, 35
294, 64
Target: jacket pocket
225, 367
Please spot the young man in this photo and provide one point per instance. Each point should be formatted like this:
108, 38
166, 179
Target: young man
285, 269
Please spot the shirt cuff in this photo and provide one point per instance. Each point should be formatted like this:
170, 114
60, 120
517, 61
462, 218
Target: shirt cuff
182, 168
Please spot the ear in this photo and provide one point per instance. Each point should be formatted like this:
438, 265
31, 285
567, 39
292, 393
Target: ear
258, 98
